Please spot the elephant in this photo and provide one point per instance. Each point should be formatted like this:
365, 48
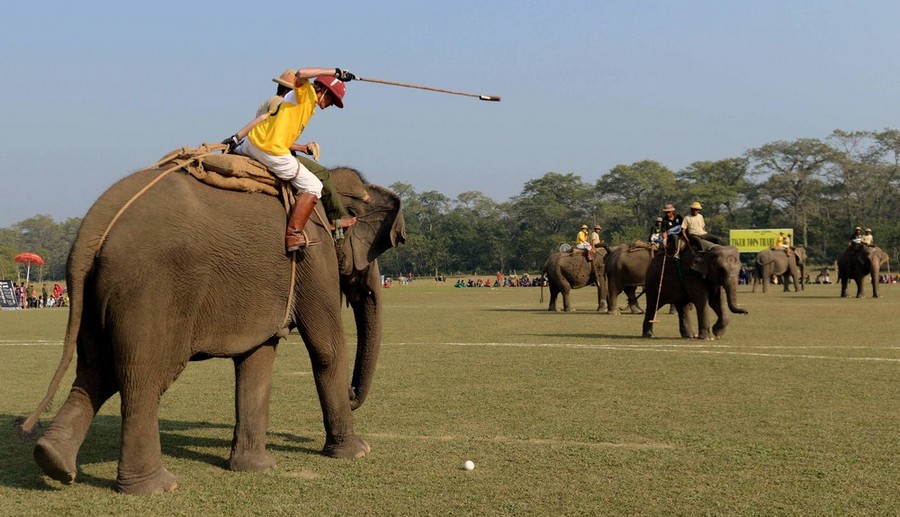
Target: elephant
565, 271
698, 278
774, 261
626, 268
856, 262
165, 270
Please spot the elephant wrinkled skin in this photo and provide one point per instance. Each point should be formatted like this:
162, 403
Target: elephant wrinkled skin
856, 262
572, 270
191, 272
701, 281
626, 270
774, 261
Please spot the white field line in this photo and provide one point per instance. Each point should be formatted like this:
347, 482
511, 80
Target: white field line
522, 441
9, 342
695, 349
692, 348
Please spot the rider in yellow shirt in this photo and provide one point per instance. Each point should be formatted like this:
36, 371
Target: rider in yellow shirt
269, 138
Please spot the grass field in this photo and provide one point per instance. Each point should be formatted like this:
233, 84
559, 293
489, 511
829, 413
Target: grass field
795, 411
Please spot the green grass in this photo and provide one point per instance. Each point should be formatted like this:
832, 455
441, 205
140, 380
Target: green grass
795, 411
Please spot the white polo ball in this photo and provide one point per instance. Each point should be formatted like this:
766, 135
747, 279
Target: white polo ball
469, 465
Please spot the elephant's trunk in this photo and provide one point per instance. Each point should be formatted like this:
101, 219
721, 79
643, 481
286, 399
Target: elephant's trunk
731, 295
363, 292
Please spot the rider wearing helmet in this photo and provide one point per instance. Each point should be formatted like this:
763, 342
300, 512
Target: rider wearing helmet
269, 138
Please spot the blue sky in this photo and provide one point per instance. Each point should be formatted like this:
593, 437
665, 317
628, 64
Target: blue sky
92, 91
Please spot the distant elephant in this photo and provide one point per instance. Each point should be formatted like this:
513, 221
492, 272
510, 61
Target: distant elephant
698, 279
626, 270
166, 270
572, 270
856, 262
774, 261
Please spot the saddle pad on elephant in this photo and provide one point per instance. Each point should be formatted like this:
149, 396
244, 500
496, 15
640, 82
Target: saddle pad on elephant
236, 172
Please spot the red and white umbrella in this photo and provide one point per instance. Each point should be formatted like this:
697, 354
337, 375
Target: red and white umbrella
28, 259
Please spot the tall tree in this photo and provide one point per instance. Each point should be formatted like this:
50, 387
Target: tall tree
795, 173
548, 212
719, 187
631, 196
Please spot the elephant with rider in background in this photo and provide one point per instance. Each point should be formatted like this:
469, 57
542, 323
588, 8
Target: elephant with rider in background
698, 277
776, 261
857, 261
166, 270
626, 270
565, 271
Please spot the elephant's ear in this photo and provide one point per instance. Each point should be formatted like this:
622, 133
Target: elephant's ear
700, 263
378, 229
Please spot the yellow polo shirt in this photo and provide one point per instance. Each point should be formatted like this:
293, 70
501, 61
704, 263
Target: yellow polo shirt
282, 128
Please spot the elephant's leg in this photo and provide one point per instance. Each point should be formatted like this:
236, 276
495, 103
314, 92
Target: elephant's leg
613, 306
715, 303
860, 283
631, 293
685, 328
320, 326
843, 280
57, 450
701, 301
650, 315
564, 291
601, 296
144, 379
253, 387
554, 292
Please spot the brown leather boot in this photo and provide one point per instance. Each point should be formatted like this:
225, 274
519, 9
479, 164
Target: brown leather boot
294, 237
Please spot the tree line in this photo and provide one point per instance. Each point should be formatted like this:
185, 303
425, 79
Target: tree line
822, 188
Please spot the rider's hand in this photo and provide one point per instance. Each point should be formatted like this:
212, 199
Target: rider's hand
232, 142
344, 75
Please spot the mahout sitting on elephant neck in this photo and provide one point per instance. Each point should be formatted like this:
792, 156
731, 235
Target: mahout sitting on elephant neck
684, 286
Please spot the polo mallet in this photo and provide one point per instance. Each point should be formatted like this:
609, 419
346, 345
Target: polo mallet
662, 273
493, 98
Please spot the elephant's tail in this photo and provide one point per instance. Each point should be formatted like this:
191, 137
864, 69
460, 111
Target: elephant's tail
82, 255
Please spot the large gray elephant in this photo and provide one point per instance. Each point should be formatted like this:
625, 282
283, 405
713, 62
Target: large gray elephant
856, 262
774, 261
572, 270
166, 270
699, 279
626, 270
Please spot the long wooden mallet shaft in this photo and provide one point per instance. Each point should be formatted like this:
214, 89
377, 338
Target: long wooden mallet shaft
493, 98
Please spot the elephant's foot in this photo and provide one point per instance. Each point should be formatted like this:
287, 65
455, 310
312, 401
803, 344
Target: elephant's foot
350, 448
251, 461
55, 461
568, 309
636, 310
158, 481
647, 334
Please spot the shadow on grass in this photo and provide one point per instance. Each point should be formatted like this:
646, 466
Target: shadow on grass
177, 438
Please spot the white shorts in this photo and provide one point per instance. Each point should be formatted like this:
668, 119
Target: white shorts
285, 167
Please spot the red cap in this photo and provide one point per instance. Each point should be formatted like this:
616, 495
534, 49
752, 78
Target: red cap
335, 86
